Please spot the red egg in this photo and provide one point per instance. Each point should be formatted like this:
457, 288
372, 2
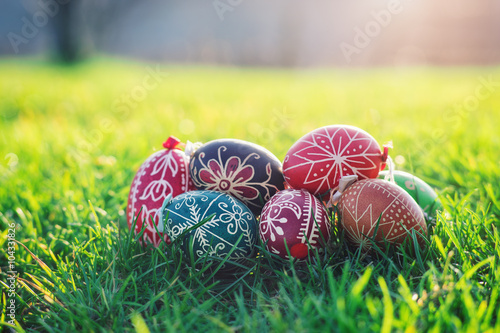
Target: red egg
318, 160
366, 201
163, 173
297, 218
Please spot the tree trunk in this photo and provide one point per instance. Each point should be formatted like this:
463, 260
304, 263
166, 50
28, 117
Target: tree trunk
67, 33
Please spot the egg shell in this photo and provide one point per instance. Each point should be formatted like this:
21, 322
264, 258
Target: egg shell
419, 190
231, 220
242, 169
318, 160
366, 201
293, 216
164, 172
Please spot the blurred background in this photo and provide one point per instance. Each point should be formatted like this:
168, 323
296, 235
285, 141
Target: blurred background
282, 33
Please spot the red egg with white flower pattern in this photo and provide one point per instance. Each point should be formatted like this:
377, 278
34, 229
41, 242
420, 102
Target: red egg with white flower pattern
163, 173
295, 218
369, 202
318, 160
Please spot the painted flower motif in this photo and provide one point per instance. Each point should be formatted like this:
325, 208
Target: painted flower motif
275, 215
149, 216
157, 190
163, 173
330, 153
190, 198
235, 218
353, 157
216, 237
233, 178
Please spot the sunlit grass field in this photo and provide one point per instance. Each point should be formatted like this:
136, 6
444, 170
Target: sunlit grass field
72, 139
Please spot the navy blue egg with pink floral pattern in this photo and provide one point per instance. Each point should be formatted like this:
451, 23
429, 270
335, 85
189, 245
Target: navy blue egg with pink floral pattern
242, 169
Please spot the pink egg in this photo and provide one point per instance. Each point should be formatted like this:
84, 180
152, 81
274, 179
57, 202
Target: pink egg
366, 201
318, 160
297, 218
163, 173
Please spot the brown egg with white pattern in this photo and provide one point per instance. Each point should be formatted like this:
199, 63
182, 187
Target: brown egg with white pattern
382, 211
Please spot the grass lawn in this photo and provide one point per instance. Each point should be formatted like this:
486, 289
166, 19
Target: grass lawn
73, 138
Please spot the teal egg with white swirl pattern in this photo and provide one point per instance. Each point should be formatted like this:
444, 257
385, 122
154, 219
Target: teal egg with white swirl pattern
210, 224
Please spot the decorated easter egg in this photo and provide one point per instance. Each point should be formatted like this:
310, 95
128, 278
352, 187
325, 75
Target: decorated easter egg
294, 219
318, 160
228, 223
419, 190
242, 169
166, 172
377, 205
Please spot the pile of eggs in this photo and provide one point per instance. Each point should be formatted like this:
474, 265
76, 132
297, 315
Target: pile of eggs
219, 198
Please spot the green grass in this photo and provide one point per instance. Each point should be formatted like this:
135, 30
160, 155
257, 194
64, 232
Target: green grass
69, 151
